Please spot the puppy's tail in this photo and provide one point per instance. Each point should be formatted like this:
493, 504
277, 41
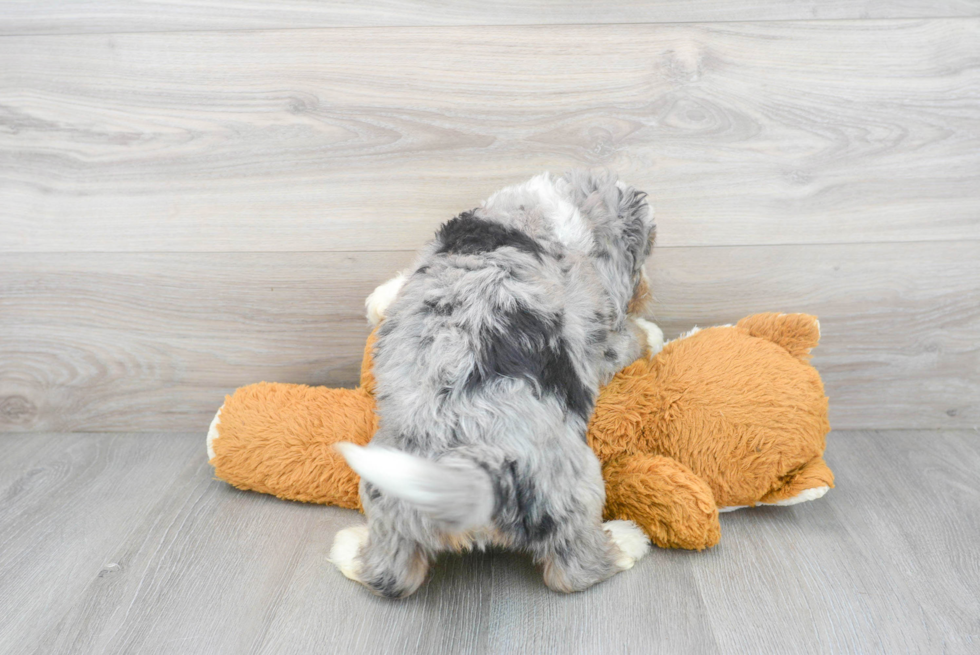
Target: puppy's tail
455, 492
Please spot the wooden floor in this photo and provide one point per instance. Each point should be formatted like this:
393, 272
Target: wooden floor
123, 543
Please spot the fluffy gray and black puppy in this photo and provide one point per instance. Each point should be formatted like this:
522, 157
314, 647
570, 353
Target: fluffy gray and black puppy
488, 363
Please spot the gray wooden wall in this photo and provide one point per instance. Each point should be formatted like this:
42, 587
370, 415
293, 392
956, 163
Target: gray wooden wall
193, 198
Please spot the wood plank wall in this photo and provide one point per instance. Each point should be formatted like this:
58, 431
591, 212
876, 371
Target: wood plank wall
193, 198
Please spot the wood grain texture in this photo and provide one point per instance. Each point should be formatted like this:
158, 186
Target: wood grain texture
363, 139
96, 342
72, 17
164, 559
70, 507
904, 512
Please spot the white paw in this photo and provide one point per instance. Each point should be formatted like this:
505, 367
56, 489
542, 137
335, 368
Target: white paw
655, 336
377, 303
346, 545
213, 432
632, 542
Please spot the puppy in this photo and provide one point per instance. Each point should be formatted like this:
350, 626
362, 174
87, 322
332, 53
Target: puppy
487, 364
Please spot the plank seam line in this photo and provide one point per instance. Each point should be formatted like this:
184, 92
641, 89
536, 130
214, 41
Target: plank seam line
877, 19
836, 244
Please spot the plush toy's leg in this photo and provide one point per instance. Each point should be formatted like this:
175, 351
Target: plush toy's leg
809, 483
672, 505
278, 439
797, 333
380, 559
377, 303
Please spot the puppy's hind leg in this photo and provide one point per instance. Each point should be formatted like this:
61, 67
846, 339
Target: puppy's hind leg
576, 560
385, 562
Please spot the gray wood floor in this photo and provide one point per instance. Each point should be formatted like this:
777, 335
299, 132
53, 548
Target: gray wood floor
123, 543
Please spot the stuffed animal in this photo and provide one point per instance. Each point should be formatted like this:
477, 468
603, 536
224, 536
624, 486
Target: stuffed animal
721, 418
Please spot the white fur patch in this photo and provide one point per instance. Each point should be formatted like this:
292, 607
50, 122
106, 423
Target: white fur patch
570, 228
722, 510
379, 300
462, 497
213, 432
690, 333
632, 542
655, 336
802, 497
392, 470
346, 546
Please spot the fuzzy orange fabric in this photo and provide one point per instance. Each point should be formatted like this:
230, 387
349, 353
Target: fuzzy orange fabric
727, 416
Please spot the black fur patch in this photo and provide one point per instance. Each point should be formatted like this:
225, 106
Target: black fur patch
468, 235
529, 521
529, 346
373, 492
436, 307
409, 442
596, 337
385, 584
386, 328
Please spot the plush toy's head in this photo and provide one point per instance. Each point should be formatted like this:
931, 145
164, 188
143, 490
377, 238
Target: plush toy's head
739, 405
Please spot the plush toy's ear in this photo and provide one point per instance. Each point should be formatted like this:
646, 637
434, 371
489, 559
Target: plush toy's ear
797, 333
367, 363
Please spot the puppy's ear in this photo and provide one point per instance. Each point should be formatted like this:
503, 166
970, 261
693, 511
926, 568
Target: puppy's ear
639, 230
641, 302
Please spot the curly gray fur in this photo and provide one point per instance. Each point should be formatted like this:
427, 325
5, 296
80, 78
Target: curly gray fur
487, 365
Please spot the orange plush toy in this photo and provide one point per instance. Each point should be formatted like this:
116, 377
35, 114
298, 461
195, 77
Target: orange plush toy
722, 418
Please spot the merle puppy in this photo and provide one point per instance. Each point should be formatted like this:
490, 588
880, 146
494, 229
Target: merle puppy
488, 363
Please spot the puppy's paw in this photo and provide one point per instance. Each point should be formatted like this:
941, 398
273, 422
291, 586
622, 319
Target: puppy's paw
632, 542
655, 336
377, 303
346, 546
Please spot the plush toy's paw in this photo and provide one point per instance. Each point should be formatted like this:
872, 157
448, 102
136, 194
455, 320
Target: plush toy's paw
809, 483
802, 497
655, 336
633, 544
213, 432
377, 303
346, 546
